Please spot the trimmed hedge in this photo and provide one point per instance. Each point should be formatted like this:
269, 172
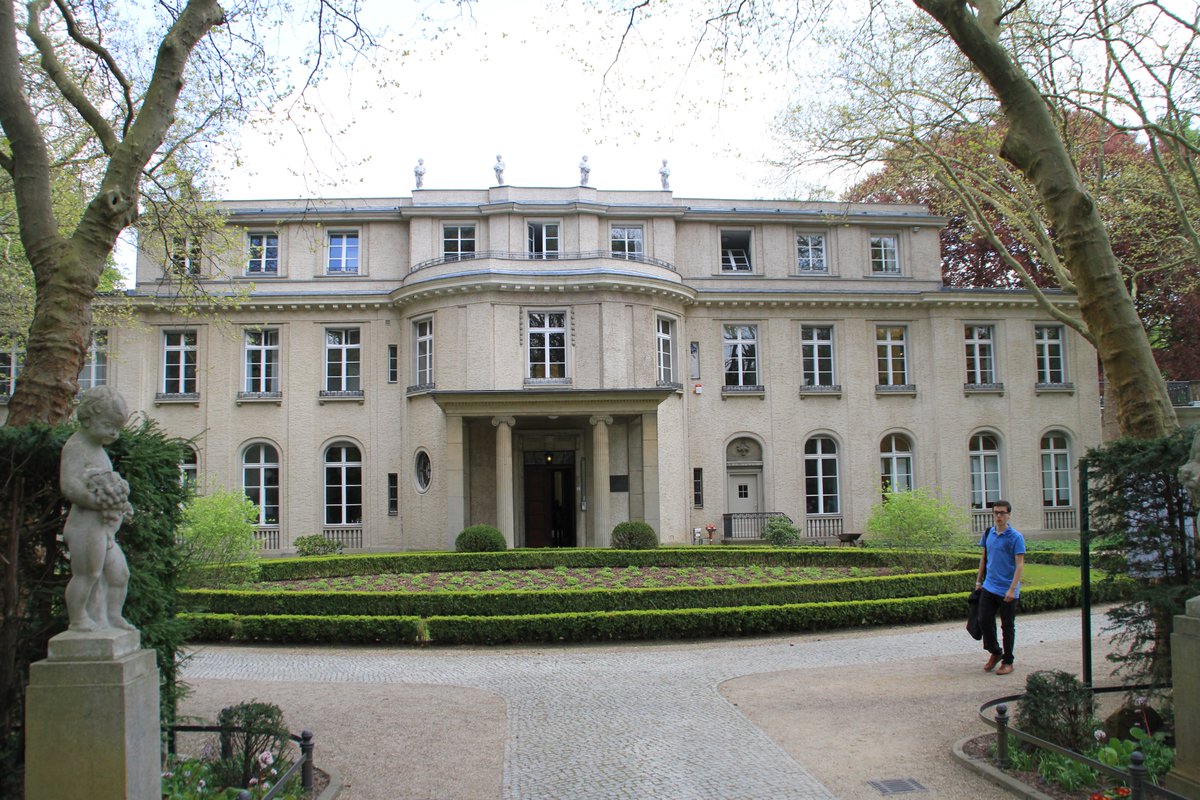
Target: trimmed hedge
618, 625
429, 604
300, 628
284, 569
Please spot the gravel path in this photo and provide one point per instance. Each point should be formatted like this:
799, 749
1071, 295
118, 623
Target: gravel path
788, 717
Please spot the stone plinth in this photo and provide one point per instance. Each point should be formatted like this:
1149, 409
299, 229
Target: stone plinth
91, 717
1185, 666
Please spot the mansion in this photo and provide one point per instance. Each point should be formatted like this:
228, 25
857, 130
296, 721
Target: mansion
553, 361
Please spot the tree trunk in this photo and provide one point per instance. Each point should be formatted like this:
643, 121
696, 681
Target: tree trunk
1033, 145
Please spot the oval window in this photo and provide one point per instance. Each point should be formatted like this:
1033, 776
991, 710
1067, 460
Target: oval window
423, 470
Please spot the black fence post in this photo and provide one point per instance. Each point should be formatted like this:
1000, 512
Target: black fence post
1002, 735
306, 751
226, 743
1137, 775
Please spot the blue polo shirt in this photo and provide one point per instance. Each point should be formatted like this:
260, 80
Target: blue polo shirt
1002, 552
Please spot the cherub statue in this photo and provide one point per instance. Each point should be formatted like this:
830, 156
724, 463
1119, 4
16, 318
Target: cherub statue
419, 172
664, 172
585, 170
499, 168
99, 504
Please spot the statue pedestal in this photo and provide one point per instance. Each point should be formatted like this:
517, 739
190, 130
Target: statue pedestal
91, 718
1185, 666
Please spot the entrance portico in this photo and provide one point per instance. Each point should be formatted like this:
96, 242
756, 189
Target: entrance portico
552, 467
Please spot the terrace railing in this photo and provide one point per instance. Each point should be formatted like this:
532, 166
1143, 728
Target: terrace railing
520, 255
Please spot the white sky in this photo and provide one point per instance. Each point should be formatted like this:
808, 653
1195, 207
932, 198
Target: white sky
524, 79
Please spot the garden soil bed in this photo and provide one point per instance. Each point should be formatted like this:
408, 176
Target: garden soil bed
978, 747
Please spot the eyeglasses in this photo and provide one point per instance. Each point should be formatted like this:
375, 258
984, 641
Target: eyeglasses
1000, 513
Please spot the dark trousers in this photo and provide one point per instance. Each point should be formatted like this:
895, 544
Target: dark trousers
989, 606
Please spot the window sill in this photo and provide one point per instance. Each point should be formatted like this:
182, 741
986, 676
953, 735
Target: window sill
536, 383
340, 275
357, 396
675, 385
180, 398
813, 274
1055, 388
259, 397
758, 390
983, 388
830, 390
259, 276
420, 388
737, 273
896, 389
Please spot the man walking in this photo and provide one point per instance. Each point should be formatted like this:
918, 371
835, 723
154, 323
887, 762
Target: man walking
1000, 569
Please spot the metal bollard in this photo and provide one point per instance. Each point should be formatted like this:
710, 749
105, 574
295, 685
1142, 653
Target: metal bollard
1002, 736
306, 751
1137, 775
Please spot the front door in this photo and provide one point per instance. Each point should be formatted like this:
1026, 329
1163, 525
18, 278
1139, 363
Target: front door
743, 493
549, 505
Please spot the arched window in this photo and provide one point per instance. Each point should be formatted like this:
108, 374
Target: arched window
821, 492
260, 481
1056, 470
343, 484
189, 467
896, 463
985, 470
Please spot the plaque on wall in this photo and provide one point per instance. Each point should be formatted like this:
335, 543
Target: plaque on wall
618, 483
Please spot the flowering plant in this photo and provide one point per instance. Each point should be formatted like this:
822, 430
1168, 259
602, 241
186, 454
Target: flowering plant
1112, 794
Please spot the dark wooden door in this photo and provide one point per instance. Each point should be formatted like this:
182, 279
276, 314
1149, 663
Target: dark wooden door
549, 506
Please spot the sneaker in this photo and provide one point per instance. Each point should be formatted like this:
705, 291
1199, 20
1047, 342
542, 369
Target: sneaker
992, 661
1004, 669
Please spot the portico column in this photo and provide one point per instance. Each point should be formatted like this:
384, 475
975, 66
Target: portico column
456, 476
650, 476
504, 477
600, 471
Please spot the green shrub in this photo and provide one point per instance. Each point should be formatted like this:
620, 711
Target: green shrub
780, 532
1059, 708
634, 535
316, 545
256, 735
216, 534
480, 539
927, 529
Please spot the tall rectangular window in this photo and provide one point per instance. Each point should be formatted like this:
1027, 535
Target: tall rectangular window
885, 254
985, 470
186, 256
1056, 470
179, 362
891, 355
423, 351
263, 258
343, 360
343, 253
95, 364
741, 355
816, 355
735, 251
810, 254
542, 239
822, 489
981, 356
262, 362
12, 358
458, 242
393, 494
393, 365
666, 350
697, 487
547, 352
627, 241
1048, 346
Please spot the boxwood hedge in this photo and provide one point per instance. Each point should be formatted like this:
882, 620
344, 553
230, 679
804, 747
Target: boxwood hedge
614, 625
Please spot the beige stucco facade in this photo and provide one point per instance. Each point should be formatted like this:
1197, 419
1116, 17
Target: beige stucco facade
556, 360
